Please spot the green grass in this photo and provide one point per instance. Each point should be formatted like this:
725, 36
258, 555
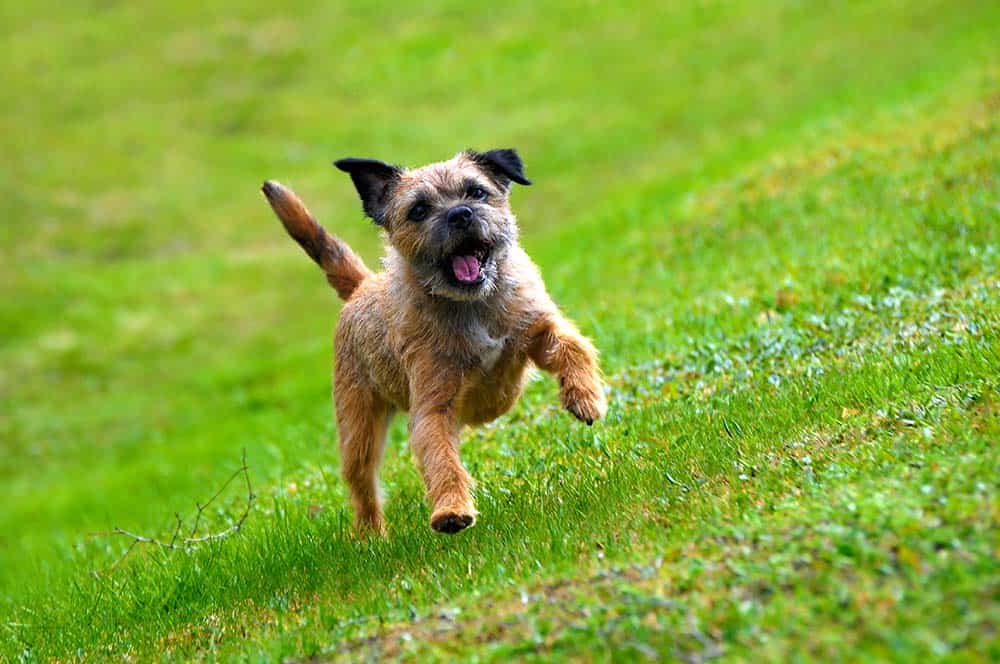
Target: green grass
896, 534
779, 225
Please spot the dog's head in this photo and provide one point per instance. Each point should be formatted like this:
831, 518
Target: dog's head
450, 220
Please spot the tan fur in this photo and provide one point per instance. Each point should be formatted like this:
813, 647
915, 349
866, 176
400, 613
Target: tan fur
449, 360
344, 269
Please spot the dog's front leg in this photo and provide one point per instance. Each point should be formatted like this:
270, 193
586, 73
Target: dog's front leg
556, 346
434, 439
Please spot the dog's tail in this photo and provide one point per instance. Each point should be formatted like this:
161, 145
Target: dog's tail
344, 269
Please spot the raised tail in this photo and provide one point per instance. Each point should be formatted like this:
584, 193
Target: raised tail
344, 269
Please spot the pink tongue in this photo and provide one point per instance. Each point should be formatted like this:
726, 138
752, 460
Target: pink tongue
466, 268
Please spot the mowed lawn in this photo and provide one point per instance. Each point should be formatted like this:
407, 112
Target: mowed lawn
778, 222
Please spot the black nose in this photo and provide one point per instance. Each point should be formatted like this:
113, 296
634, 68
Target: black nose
460, 216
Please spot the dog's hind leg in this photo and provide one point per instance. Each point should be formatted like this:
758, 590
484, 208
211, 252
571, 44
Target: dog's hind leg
362, 422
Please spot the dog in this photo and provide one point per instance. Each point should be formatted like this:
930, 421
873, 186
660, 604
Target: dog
447, 331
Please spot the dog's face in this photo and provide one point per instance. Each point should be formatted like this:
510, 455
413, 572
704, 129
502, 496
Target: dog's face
451, 220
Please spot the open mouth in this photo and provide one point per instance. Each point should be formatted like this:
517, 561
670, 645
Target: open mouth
466, 264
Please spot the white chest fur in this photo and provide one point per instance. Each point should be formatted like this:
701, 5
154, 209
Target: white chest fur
483, 346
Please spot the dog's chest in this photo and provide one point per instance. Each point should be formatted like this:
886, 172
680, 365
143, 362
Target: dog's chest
483, 347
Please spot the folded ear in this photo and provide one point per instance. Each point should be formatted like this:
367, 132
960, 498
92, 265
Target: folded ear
374, 181
504, 165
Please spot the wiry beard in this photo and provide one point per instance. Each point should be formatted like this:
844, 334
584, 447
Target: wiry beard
434, 280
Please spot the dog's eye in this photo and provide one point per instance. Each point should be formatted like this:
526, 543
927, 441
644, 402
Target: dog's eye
418, 212
477, 193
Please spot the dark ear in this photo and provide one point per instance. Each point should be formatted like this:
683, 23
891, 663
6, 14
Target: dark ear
374, 180
504, 165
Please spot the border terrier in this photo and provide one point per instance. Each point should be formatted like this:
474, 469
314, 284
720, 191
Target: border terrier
447, 331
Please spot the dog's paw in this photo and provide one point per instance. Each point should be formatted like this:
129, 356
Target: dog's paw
370, 525
451, 522
585, 402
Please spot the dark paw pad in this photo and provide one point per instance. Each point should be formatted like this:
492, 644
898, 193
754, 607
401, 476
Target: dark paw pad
452, 523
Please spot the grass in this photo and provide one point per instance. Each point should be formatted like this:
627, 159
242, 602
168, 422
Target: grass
896, 525
778, 224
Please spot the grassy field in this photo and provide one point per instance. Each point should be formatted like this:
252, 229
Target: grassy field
779, 223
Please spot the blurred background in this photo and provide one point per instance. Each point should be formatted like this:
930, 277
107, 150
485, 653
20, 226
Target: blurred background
154, 317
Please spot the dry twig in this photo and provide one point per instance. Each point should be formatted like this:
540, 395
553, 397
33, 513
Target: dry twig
192, 540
